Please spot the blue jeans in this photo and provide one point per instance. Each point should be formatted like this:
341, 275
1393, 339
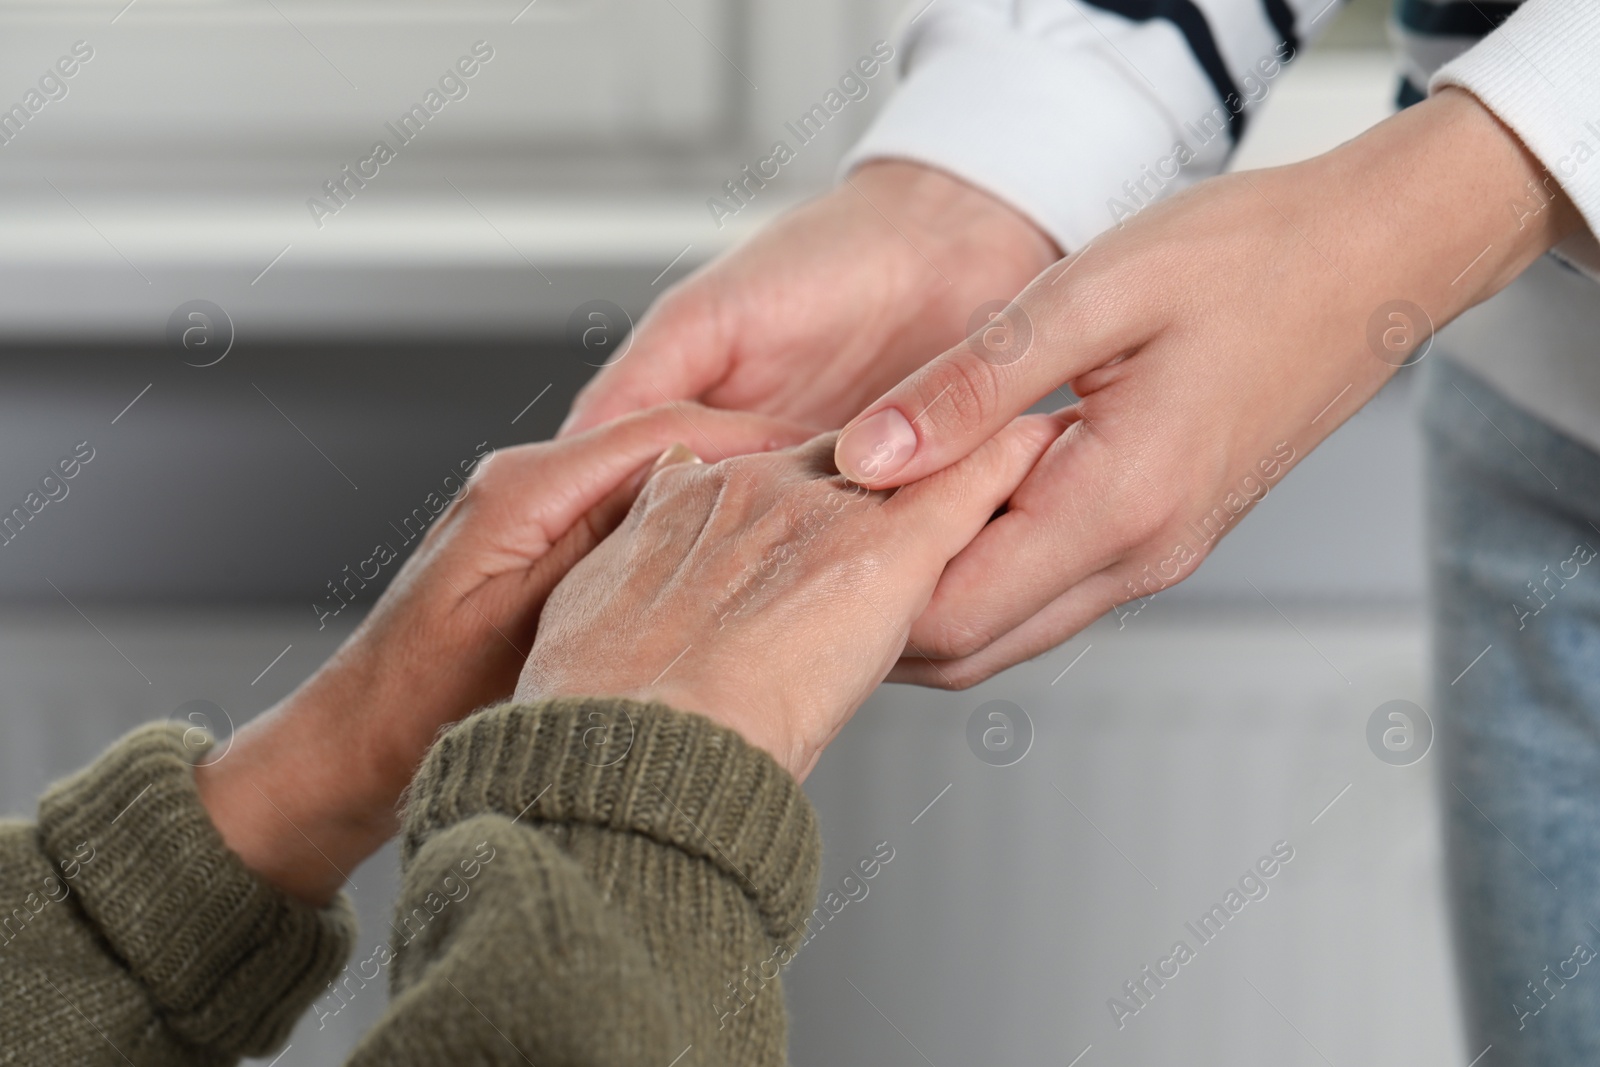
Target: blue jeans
1513, 510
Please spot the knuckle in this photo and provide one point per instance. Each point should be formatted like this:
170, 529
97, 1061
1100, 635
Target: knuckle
748, 481
1091, 288
807, 512
486, 480
1141, 520
968, 394
1106, 306
736, 498
1164, 564
867, 568
956, 676
685, 298
670, 488
658, 418
956, 640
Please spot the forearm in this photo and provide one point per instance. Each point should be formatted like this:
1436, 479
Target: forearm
296, 797
574, 852
309, 789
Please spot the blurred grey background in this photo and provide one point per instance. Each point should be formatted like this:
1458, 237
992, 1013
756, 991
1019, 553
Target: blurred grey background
1171, 749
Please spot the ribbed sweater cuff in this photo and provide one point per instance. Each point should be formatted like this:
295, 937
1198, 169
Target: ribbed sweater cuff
1537, 74
630, 767
1029, 123
229, 961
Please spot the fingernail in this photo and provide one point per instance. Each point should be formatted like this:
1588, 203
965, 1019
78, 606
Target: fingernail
678, 453
567, 423
876, 448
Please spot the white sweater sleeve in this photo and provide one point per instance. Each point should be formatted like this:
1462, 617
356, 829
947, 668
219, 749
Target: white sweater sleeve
1081, 112
1540, 73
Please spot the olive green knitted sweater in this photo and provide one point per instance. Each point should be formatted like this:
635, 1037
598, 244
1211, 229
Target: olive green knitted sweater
552, 911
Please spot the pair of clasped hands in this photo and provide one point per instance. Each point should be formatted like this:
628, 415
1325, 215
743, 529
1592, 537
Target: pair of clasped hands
688, 538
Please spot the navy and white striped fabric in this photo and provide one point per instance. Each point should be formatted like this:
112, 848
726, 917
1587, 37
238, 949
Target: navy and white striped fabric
1430, 33
1080, 113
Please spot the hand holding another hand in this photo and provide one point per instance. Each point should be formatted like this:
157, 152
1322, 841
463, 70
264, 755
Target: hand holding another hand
829, 306
1213, 340
309, 789
766, 592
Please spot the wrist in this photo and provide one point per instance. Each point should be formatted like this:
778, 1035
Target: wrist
1455, 206
956, 227
294, 797
786, 733
417, 662
950, 212
772, 731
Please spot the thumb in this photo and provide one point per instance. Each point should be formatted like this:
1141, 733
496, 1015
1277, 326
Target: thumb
594, 525
949, 407
678, 352
953, 506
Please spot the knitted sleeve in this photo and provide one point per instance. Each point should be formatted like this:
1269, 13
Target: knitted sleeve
129, 933
595, 882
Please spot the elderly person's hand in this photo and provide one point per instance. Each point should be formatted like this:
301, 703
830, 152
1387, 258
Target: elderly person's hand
767, 592
308, 790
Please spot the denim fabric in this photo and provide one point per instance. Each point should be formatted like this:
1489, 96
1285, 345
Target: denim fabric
1514, 524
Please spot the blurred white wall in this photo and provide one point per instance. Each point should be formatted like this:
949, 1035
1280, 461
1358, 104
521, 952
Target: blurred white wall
179, 163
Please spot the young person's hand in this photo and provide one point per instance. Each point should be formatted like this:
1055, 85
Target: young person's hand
766, 592
1214, 340
309, 789
830, 305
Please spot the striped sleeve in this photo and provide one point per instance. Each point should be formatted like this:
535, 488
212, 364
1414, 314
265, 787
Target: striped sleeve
1540, 74
1430, 33
1079, 113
